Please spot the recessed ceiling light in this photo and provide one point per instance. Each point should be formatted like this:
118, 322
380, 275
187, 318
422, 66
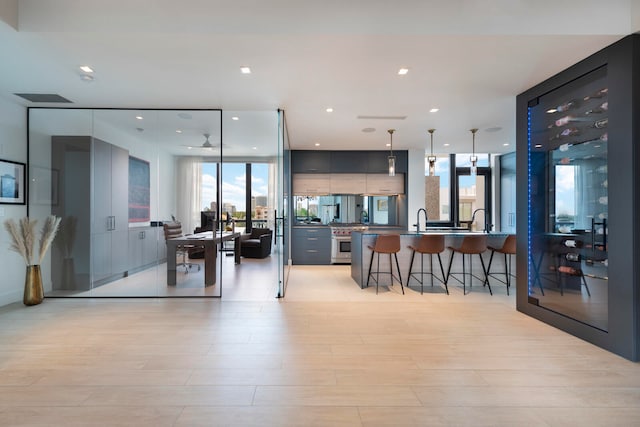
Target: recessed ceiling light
255, 148
139, 117
235, 118
86, 77
403, 71
86, 69
388, 145
506, 144
329, 110
368, 130
317, 144
434, 110
189, 148
178, 131
446, 145
245, 70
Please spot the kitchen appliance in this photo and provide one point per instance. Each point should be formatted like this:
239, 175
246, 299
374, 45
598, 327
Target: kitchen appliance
341, 243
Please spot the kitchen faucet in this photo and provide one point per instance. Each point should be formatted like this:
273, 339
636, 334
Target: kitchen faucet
417, 224
487, 226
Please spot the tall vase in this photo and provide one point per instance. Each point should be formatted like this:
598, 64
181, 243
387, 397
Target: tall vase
33, 291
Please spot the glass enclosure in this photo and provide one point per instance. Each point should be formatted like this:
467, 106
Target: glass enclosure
568, 197
117, 176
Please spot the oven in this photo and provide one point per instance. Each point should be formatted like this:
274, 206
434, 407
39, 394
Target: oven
341, 248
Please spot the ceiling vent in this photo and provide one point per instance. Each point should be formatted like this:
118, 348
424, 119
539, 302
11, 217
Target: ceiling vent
44, 97
382, 117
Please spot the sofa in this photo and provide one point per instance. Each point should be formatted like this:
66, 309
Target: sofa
256, 244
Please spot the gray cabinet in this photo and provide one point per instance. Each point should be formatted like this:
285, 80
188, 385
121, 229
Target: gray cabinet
311, 161
349, 161
144, 247
110, 213
311, 245
92, 246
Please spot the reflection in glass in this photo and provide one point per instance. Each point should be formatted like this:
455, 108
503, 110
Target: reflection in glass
569, 200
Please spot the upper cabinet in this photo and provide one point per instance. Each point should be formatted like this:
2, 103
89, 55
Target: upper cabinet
311, 162
382, 184
311, 184
349, 161
348, 183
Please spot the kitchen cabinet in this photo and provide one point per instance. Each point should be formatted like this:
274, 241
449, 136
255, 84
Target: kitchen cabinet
350, 161
311, 245
383, 184
378, 161
310, 184
311, 161
348, 183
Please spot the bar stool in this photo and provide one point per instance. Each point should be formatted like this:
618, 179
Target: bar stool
471, 245
385, 244
508, 248
428, 244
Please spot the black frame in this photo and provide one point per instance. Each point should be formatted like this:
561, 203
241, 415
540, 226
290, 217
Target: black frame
21, 173
622, 337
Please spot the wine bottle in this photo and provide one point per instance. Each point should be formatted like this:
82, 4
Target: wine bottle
600, 124
567, 106
600, 109
572, 243
599, 94
566, 133
572, 256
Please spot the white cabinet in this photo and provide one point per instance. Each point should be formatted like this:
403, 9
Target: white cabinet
348, 183
310, 184
145, 247
383, 184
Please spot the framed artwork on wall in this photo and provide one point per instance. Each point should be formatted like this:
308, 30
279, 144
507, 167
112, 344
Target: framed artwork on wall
139, 190
12, 183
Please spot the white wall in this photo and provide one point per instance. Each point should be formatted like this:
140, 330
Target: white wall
13, 146
415, 186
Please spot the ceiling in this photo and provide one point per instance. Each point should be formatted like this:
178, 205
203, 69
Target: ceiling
469, 58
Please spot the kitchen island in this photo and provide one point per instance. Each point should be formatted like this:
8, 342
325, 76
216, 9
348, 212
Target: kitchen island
361, 254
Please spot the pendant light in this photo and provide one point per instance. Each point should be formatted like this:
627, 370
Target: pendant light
392, 158
431, 158
474, 158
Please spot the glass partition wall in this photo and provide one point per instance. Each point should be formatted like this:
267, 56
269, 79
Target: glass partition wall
117, 176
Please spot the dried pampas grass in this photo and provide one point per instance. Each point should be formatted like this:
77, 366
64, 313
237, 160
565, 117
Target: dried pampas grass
23, 237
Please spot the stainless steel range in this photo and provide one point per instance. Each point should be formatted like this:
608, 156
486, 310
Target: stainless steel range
341, 243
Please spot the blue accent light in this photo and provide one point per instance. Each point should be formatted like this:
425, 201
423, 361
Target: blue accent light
529, 225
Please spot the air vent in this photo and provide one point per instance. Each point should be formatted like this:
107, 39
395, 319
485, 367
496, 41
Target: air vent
44, 97
382, 117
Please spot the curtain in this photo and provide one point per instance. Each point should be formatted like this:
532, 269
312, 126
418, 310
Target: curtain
189, 191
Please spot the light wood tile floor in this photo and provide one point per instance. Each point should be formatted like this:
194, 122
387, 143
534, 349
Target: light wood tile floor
329, 354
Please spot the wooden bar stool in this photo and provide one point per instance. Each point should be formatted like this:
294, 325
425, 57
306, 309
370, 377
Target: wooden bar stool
385, 244
429, 244
508, 248
471, 245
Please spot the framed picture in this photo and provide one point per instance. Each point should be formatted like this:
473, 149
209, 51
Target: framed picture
139, 190
44, 188
383, 205
12, 183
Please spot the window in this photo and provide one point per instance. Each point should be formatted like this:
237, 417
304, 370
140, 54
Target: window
438, 189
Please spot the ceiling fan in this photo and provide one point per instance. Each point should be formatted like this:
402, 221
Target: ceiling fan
206, 145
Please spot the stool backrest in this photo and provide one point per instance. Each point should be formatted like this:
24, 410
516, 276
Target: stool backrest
431, 244
509, 246
475, 244
387, 243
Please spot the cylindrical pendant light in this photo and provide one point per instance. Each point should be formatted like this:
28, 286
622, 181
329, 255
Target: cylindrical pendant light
474, 158
431, 158
392, 158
